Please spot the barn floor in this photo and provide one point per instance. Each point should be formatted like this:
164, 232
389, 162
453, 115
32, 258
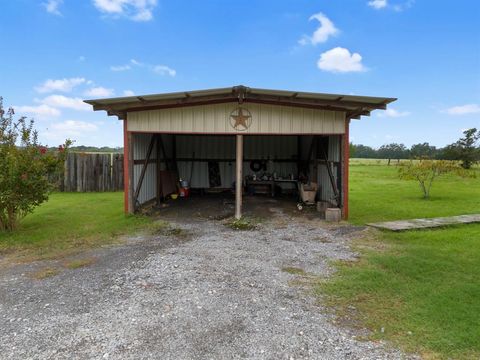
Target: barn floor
221, 206
197, 290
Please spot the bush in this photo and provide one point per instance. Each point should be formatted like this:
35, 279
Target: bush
24, 168
425, 171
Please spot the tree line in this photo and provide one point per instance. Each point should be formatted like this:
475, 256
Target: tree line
466, 150
93, 149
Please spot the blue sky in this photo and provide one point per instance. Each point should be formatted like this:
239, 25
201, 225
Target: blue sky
426, 53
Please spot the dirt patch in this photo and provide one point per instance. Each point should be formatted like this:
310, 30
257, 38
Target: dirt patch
243, 224
79, 263
294, 270
44, 273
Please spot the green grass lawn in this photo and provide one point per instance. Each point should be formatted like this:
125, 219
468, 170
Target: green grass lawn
69, 222
421, 287
377, 194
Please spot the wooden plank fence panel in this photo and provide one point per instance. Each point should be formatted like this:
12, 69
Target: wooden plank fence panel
89, 172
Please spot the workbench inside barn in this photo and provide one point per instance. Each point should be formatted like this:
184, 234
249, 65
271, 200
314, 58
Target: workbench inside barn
269, 186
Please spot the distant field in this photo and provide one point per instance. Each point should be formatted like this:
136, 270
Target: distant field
422, 288
357, 161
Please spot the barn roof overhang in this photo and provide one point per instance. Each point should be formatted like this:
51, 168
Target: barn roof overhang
354, 106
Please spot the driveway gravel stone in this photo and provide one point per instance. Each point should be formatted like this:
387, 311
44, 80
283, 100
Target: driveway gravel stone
216, 293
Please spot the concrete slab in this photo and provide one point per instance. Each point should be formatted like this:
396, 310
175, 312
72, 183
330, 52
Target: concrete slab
413, 224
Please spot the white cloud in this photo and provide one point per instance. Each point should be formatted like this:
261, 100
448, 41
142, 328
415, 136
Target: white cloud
398, 6
120, 67
137, 63
463, 109
73, 128
128, 93
136, 10
393, 113
340, 60
63, 85
158, 69
164, 70
52, 6
403, 6
321, 35
378, 4
61, 101
81, 58
143, 15
99, 91
41, 111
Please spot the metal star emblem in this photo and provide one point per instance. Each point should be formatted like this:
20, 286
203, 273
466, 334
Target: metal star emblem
241, 119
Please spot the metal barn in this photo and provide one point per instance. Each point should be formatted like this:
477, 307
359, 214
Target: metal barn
214, 137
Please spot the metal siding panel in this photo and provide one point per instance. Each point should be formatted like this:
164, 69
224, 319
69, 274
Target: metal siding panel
197, 176
271, 147
140, 148
204, 147
326, 190
334, 147
270, 119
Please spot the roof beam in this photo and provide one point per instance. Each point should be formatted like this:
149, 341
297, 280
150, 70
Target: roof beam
353, 107
311, 101
357, 114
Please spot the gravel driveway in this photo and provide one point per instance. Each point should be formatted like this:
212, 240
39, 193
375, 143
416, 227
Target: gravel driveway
215, 294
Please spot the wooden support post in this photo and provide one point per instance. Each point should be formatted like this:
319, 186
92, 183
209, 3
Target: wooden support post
239, 177
158, 168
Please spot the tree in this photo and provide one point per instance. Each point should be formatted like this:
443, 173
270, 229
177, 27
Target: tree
352, 150
393, 151
422, 151
464, 149
24, 168
363, 151
425, 171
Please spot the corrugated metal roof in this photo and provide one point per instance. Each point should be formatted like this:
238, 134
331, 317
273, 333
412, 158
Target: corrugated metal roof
354, 105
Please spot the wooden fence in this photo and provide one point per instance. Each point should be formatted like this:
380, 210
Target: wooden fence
85, 172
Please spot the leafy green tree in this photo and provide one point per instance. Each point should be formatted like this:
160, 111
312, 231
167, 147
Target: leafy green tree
465, 149
24, 168
425, 171
352, 150
393, 151
363, 151
423, 151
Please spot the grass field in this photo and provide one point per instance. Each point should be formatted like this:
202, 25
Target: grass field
418, 289
69, 222
376, 194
